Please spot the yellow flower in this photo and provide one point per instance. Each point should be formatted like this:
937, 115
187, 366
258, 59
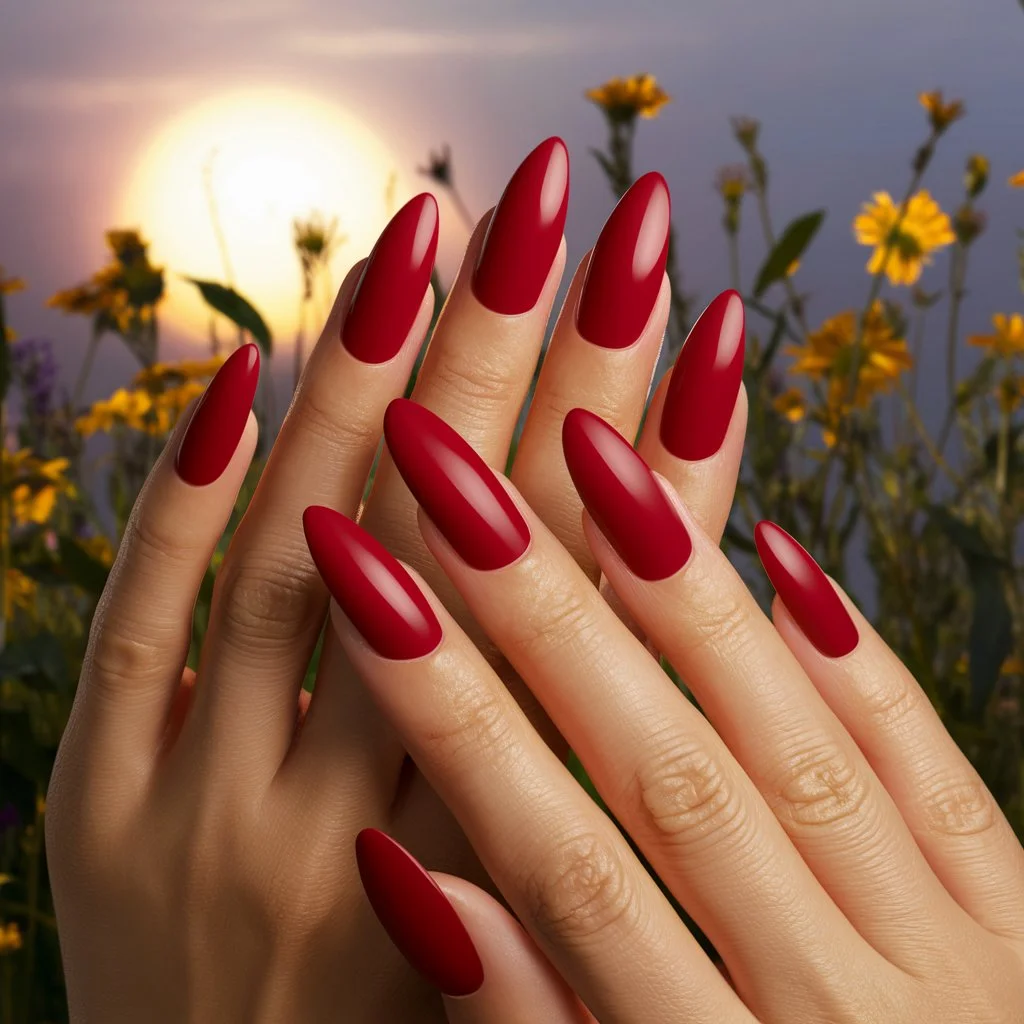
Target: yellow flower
940, 114
829, 350
99, 548
791, 404
1007, 339
34, 499
732, 182
1016, 180
10, 285
792, 268
19, 592
976, 174
622, 99
1009, 393
190, 369
902, 246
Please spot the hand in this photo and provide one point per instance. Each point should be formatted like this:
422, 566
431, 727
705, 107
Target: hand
200, 826
819, 823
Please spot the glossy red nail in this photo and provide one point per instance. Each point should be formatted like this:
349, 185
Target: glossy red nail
626, 267
623, 497
218, 421
456, 488
371, 586
391, 286
417, 915
525, 231
805, 591
705, 381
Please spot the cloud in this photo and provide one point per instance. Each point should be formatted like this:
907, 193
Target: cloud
48, 94
496, 42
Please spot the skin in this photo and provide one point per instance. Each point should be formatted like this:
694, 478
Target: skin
217, 809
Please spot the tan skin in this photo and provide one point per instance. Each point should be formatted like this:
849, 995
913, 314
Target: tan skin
200, 828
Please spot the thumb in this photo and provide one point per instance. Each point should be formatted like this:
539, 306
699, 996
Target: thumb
463, 941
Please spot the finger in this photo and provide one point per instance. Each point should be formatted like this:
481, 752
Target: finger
953, 817
462, 940
481, 358
662, 770
269, 604
142, 627
693, 604
602, 353
560, 862
694, 432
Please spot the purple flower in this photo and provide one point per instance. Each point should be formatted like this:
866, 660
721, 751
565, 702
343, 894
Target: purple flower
35, 369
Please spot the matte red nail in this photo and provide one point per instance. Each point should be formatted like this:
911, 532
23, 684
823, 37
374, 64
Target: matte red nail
705, 381
371, 586
525, 231
417, 915
456, 488
626, 267
805, 591
218, 421
623, 497
391, 286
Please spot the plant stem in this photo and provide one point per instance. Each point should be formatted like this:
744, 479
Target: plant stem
734, 260
461, 208
957, 276
86, 369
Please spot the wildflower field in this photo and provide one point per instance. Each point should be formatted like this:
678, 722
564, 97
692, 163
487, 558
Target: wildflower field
922, 526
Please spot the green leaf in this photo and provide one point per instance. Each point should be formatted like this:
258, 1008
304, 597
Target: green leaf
237, 309
80, 568
966, 536
789, 247
991, 636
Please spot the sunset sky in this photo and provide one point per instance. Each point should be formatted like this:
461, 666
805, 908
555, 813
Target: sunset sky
86, 87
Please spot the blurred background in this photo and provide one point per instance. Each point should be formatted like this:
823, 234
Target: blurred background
177, 179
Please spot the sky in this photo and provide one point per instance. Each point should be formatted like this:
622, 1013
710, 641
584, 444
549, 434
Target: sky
83, 86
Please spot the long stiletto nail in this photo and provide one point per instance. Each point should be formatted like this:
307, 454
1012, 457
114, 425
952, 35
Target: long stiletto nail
456, 488
371, 586
417, 915
219, 419
805, 591
705, 381
391, 286
623, 497
626, 267
525, 231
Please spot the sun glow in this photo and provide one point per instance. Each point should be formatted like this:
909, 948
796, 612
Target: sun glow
252, 162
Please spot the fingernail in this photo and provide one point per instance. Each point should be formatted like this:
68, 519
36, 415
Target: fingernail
626, 267
218, 421
525, 231
456, 488
623, 497
805, 591
705, 381
371, 586
390, 289
417, 915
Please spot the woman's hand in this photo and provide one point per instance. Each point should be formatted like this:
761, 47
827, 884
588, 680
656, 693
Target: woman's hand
200, 826
819, 823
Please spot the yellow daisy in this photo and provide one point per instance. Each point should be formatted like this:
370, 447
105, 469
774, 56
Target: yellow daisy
941, 114
1006, 340
622, 99
902, 246
1016, 180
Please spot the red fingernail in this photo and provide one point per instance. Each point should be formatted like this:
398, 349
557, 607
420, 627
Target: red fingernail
525, 231
417, 915
371, 586
805, 591
390, 289
219, 419
623, 497
626, 267
456, 488
705, 381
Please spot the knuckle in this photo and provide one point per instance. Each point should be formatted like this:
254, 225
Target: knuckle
123, 658
959, 807
156, 540
267, 605
892, 700
819, 785
579, 891
721, 621
475, 724
343, 427
472, 383
558, 615
684, 796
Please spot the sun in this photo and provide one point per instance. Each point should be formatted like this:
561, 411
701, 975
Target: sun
252, 161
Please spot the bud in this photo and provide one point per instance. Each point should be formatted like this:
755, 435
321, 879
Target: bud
746, 130
941, 114
976, 175
968, 223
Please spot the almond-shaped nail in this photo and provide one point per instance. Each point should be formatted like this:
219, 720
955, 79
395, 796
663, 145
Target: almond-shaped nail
805, 591
456, 488
391, 287
371, 586
705, 381
417, 915
623, 497
525, 232
218, 421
